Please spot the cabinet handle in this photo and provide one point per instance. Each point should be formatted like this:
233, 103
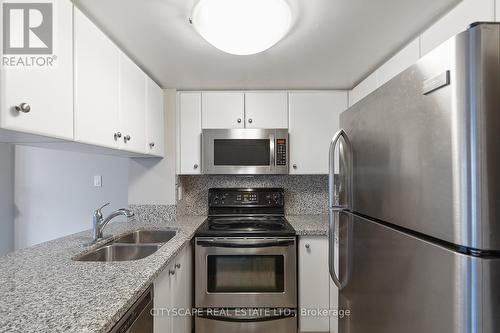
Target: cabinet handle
23, 107
195, 166
151, 145
117, 135
177, 266
171, 272
250, 120
307, 246
295, 166
239, 120
127, 138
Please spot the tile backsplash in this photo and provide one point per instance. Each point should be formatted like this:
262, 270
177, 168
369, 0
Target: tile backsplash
304, 195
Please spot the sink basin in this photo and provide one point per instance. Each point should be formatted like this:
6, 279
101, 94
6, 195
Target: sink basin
146, 237
117, 252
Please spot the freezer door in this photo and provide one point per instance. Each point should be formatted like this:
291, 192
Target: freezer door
398, 283
425, 144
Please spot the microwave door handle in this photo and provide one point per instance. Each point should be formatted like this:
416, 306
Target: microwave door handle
208, 243
272, 150
246, 319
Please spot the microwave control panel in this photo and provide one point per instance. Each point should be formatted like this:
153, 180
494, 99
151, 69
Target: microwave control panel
281, 152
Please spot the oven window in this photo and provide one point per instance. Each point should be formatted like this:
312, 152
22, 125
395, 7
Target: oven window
245, 273
241, 152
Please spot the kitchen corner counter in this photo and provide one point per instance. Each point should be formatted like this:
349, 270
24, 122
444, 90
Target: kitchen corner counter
309, 225
44, 290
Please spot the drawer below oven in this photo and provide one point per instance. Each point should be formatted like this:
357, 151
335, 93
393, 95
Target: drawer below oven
285, 323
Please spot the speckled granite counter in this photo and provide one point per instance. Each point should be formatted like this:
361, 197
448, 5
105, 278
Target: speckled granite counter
309, 225
43, 290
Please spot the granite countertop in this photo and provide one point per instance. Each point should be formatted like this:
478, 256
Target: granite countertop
43, 290
309, 225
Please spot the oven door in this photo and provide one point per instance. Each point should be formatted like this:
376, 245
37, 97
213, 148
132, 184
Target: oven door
245, 151
245, 272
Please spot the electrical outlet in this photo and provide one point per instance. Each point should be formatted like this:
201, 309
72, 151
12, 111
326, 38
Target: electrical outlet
97, 181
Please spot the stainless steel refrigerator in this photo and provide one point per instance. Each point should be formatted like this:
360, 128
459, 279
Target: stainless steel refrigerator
416, 203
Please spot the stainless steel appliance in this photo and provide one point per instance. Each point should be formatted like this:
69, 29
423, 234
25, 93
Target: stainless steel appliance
138, 318
416, 205
245, 258
245, 151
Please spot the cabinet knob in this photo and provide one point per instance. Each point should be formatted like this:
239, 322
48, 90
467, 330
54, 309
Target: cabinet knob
239, 120
151, 145
23, 107
307, 246
127, 138
295, 166
171, 272
195, 166
250, 120
177, 266
117, 135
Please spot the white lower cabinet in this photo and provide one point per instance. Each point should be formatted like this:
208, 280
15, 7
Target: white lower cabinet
173, 295
314, 283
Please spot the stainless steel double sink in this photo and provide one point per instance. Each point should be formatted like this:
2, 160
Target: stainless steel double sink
131, 246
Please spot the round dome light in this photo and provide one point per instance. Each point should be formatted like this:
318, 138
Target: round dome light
242, 27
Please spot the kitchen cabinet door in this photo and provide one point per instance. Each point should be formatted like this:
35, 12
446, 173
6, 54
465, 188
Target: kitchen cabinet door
189, 133
46, 91
223, 109
155, 144
182, 291
96, 85
266, 109
163, 300
132, 104
313, 120
314, 282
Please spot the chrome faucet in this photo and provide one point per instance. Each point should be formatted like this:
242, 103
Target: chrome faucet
99, 222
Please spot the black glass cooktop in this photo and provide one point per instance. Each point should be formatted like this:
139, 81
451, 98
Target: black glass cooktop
246, 212
246, 226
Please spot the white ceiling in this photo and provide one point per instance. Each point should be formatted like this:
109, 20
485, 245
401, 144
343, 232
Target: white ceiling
333, 44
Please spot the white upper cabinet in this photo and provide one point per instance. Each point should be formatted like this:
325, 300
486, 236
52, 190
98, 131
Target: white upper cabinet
266, 110
155, 120
132, 103
457, 20
96, 85
44, 95
189, 133
314, 119
223, 109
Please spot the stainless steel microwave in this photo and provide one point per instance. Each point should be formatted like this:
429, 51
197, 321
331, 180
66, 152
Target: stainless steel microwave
245, 151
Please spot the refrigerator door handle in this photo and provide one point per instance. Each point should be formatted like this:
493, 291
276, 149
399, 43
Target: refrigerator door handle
336, 207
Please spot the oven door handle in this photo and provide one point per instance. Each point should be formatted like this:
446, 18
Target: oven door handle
206, 243
246, 319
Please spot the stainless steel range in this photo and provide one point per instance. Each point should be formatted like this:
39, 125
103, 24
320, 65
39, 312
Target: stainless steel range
245, 264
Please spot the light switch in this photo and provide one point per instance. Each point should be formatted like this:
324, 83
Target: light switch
98, 181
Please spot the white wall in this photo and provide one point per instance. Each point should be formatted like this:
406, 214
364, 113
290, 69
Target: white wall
54, 192
6, 198
454, 22
152, 180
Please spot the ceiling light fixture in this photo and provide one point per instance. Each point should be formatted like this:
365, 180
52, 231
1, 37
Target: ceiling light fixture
242, 27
